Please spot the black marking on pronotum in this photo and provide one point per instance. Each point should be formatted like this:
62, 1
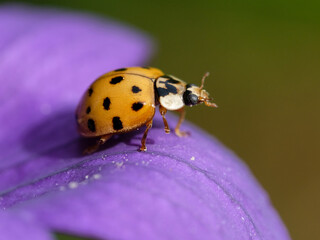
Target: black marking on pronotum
170, 79
135, 89
162, 92
106, 103
90, 91
91, 125
146, 67
88, 110
117, 124
189, 98
170, 88
116, 80
166, 91
137, 106
120, 70
189, 85
165, 76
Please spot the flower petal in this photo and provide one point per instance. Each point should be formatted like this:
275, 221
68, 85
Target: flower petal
17, 227
48, 59
181, 188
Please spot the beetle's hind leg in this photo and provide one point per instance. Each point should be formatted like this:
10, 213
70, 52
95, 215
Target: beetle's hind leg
94, 148
143, 147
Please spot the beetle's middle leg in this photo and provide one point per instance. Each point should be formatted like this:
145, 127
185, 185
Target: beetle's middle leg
163, 112
143, 147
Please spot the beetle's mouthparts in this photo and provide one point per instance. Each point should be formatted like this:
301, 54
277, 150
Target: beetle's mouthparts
210, 104
207, 102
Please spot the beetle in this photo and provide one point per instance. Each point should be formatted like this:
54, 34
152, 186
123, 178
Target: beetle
125, 99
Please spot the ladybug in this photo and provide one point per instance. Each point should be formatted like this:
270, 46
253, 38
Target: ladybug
125, 99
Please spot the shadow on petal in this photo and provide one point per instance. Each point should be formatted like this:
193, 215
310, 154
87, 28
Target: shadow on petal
57, 137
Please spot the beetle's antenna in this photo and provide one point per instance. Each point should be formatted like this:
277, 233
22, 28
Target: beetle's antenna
204, 78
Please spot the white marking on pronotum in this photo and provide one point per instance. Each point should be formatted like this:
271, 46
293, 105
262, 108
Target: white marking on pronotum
172, 101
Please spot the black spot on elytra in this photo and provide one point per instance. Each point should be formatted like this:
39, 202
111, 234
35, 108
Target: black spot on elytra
116, 80
91, 125
137, 106
135, 89
90, 91
88, 110
120, 70
117, 124
106, 103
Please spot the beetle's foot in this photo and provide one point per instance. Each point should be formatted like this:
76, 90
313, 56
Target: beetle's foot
181, 133
143, 149
91, 149
94, 148
167, 130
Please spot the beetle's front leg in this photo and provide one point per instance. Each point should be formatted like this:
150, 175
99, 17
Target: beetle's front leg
163, 112
181, 119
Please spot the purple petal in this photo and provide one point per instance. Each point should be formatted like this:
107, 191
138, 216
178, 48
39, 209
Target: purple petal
16, 227
181, 188
48, 59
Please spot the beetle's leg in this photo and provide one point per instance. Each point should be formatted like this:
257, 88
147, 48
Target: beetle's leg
101, 141
143, 147
181, 119
163, 112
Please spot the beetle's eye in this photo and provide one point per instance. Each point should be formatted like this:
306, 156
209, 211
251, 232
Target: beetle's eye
190, 98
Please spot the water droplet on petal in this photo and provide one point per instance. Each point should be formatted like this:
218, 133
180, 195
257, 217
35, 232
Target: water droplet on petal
73, 185
97, 176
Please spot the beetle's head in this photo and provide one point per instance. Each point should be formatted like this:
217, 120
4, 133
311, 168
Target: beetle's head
194, 95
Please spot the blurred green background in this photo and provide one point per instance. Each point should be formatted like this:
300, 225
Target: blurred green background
264, 59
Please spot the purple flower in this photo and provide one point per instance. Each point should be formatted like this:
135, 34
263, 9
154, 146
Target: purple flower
181, 188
